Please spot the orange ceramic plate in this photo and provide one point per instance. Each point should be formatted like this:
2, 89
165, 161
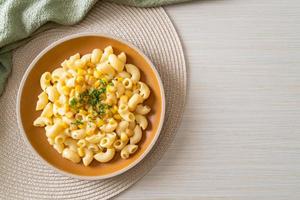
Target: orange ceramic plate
51, 58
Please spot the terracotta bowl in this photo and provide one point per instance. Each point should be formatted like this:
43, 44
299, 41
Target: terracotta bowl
51, 58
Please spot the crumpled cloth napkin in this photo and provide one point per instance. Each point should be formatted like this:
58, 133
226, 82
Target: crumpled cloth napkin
21, 19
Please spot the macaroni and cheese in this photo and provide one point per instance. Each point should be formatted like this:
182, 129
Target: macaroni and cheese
92, 107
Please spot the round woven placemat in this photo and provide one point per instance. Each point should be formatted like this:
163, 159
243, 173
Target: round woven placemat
22, 174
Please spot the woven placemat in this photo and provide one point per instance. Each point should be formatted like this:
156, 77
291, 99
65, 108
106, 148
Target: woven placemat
22, 174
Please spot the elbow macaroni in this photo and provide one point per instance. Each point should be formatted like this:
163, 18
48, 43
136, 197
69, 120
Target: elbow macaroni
96, 55
71, 155
45, 80
134, 101
93, 106
52, 93
142, 110
116, 63
134, 72
105, 156
142, 121
127, 150
42, 102
144, 90
48, 110
88, 157
137, 135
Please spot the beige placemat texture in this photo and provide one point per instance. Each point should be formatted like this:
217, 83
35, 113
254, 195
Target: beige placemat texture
22, 174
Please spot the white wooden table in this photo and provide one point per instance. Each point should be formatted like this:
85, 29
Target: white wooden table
240, 137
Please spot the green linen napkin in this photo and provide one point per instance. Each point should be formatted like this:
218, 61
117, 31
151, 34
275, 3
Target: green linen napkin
21, 19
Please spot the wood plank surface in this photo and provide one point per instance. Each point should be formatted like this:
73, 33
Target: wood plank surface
240, 137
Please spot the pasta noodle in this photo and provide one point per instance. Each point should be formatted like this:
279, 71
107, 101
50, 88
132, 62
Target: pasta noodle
93, 107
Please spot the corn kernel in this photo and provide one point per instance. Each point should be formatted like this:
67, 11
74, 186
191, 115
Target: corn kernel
83, 112
81, 72
111, 88
80, 79
99, 122
64, 125
90, 71
97, 74
120, 79
69, 115
81, 126
89, 132
66, 90
117, 117
97, 84
78, 88
114, 109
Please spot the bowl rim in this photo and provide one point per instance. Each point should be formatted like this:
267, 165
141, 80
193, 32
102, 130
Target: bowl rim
31, 66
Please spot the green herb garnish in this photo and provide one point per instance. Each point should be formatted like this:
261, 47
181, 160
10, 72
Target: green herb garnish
103, 82
73, 102
83, 97
102, 90
101, 108
77, 122
93, 97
